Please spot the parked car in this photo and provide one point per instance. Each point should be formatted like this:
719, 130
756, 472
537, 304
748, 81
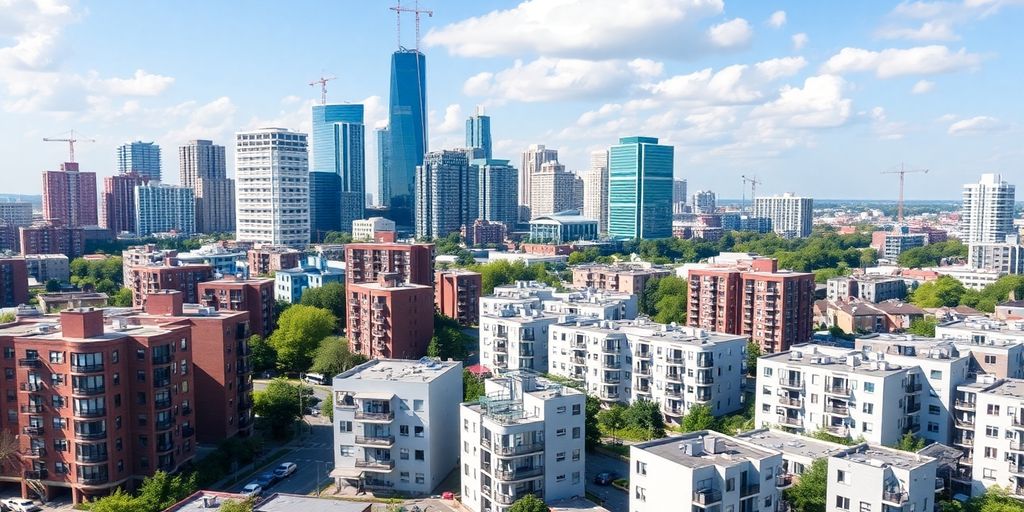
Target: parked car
252, 489
604, 478
285, 469
266, 479
21, 505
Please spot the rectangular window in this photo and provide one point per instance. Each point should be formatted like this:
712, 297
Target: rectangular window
418, 431
576, 432
988, 474
344, 426
560, 432
869, 408
417, 405
869, 387
934, 410
403, 430
991, 431
403, 454
56, 357
990, 452
576, 410
346, 451
865, 506
935, 375
842, 503
419, 454
560, 456
840, 476
993, 410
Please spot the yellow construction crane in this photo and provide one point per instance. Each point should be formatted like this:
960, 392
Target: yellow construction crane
71, 140
902, 171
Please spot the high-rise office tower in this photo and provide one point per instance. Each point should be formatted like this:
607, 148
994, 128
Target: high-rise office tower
324, 196
478, 133
987, 211
577, 193
595, 190
447, 195
498, 186
140, 157
704, 201
339, 148
383, 166
553, 189
160, 208
678, 197
272, 187
535, 156
118, 205
640, 188
408, 127
69, 197
202, 167
791, 216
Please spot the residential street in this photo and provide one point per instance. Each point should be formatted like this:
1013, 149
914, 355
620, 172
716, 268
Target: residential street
614, 499
313, 455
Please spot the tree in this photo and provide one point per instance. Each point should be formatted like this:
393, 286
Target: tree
299, 332
613, 419
944, 291
910, 443
645, 416
670, 300
808, 493
7, 317
698, 418
278, 405
472, 387
753, 353
262, 356
590, 429
162, 490
8, 446
337, 237
118, 501
923, 327
52, 286
91, 273
932, 254
448, 342
528, 503
333, 356
327, 409
121, 298
330, 296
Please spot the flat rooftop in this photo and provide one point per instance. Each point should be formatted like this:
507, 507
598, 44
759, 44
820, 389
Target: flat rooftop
214, 499
1011, 388
731, 451
982, 325
398, 370
652, 332
575, 505
793, 444
834, 358
281, 502
874, 455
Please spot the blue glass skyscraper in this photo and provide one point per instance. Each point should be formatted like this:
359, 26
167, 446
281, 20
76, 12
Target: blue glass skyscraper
140, 157
408, 130
338, 149
640, 189
478, 133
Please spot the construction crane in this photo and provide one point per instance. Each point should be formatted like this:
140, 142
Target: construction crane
415, 10
754, 182
71, 140
323, 87
902, 171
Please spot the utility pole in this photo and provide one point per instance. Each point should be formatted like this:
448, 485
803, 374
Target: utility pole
71, 140
902, 172
415, 10
323, 87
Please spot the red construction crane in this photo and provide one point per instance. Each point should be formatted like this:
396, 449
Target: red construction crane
71, 140
323, 87
398, 15
902, 171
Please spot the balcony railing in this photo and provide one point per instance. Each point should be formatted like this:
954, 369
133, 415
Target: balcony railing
837, 410
91, 413
897, 497
30, 362
86, 368
791, 422
162, 404
791, 383
707, 496
37, 474
375, 464
786, 401
965, 405
31, 386
90, 436
519, 449
376, 440
518, 473
165, 446
913, 387
95, 390
374, 416
162, 358
783, 481
838, 390
750, 490
38, 451
91, 458
164, 424
32, 408
94, 480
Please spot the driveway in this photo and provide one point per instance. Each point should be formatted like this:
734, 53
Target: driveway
614, 499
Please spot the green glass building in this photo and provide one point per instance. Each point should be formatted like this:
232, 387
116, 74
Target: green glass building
640, 188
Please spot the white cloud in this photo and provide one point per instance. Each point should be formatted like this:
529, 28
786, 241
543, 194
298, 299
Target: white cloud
819, 103
723, 86
140, 84
923, 87
550, 79
566, 28
646, 68
799, 41
777, 19
975, 126
453, 120
731, 34
773, 69
893, 62
883, 127
938, 19
928, 31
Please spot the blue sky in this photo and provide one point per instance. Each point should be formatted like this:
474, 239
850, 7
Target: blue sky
813, 97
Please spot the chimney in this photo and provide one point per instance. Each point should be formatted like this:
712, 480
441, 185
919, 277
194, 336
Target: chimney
765, 265
81, 323
165, 302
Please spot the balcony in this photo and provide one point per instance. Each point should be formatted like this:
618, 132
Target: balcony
914, 387
674, 360
1017, 422
501, 349
609, 395
162, 404
964, 423
1016, 468
783, 481
837, 410
188, 432
32, 408
706, 497
964, 405
38, 451
579, 361
895, 497
91, 458
95, 480
186, 410
913, 407
750, 490
643, 371
374, 416
30, 362
674, 377
165, 446
375, 440
163, 424
86, 368
162, 383
673, 411
90, 436
786, 421
376, 465
31, 386
162, 358
841, 390
520, 449
838, 430
95, 390
613, 364
609, 348
1016, 445
791, 383
518, 473
37, 474
91, 413
674, 392
968, 441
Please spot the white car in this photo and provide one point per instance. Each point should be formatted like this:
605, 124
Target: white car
285, 469
252, 489
22, 505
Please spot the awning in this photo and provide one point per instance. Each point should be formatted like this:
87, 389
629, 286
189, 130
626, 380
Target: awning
370, 395
346, 473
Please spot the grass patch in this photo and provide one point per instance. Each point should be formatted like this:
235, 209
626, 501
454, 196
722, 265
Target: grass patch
626, 434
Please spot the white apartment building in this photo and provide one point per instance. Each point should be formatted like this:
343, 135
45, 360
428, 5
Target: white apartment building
876, 478
552, 190
888, 386
396, 423
703, 470
677, 367
996, 347
44, 267
160, 208
595, 190
703, 201
365, 230
526, 436
990, 432
272, 187
534, 157
1003, 257
986, 214
798, 451
971, 278
872, 288
790, 215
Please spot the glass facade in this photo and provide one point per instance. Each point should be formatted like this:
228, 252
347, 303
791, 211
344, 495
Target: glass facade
140, 157
339, 148
408, 127
640, 189
324, 196
478, 134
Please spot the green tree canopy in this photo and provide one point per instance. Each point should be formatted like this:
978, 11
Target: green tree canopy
613, 419
472, 386
52, 286
529, 503
156, 493
330, 296
278, 405
910, 443
944, 291
104, 275
590, 427
932, 254
923, 327
333, 356
670, 300
121, 298
808, 493
645, 416
698, 418
262, 356
753, 352
299, 332
337, 237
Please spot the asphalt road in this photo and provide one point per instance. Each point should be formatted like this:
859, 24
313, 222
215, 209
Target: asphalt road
614, 499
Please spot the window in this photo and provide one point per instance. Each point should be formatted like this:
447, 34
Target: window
56, 357
576, 432
403, 454
841, 476
990, 359
560, 409
420, 478
140, 375
990, 452
869, 408
993, 410
60, 423
767, 372
766, 390
641, 467
417, 405
60, 445
344, 426
57, 379
419, 454
934, 410
867, 427
560, 432
935, 375
768, 503
639, 493
560, 478
991, 431
9, 373
8, 352
842, 503
116, 378
115, 357
560, 456
730, 485
575, 477
418, 431
58, 401
933, 427
346, 451
140, 354
865, 506
404, 475
576, 454
988, 474
403, 430
869, 387
61, 468
576, 409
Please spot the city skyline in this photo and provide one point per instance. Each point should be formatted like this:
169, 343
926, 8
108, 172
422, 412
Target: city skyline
768, 90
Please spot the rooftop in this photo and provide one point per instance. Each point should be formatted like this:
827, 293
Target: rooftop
834, 358
1010, 388
649, 331
704, 448
398, 370
575, 505
279, 502
879, 456
204, 500
794, 444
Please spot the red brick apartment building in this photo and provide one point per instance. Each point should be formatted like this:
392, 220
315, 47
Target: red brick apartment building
625, 278
267, 259
69, 197
52, 239
13, 282
147, 270
390, 318
413, 262
773, 308
457, 295
254, 295
99, 402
